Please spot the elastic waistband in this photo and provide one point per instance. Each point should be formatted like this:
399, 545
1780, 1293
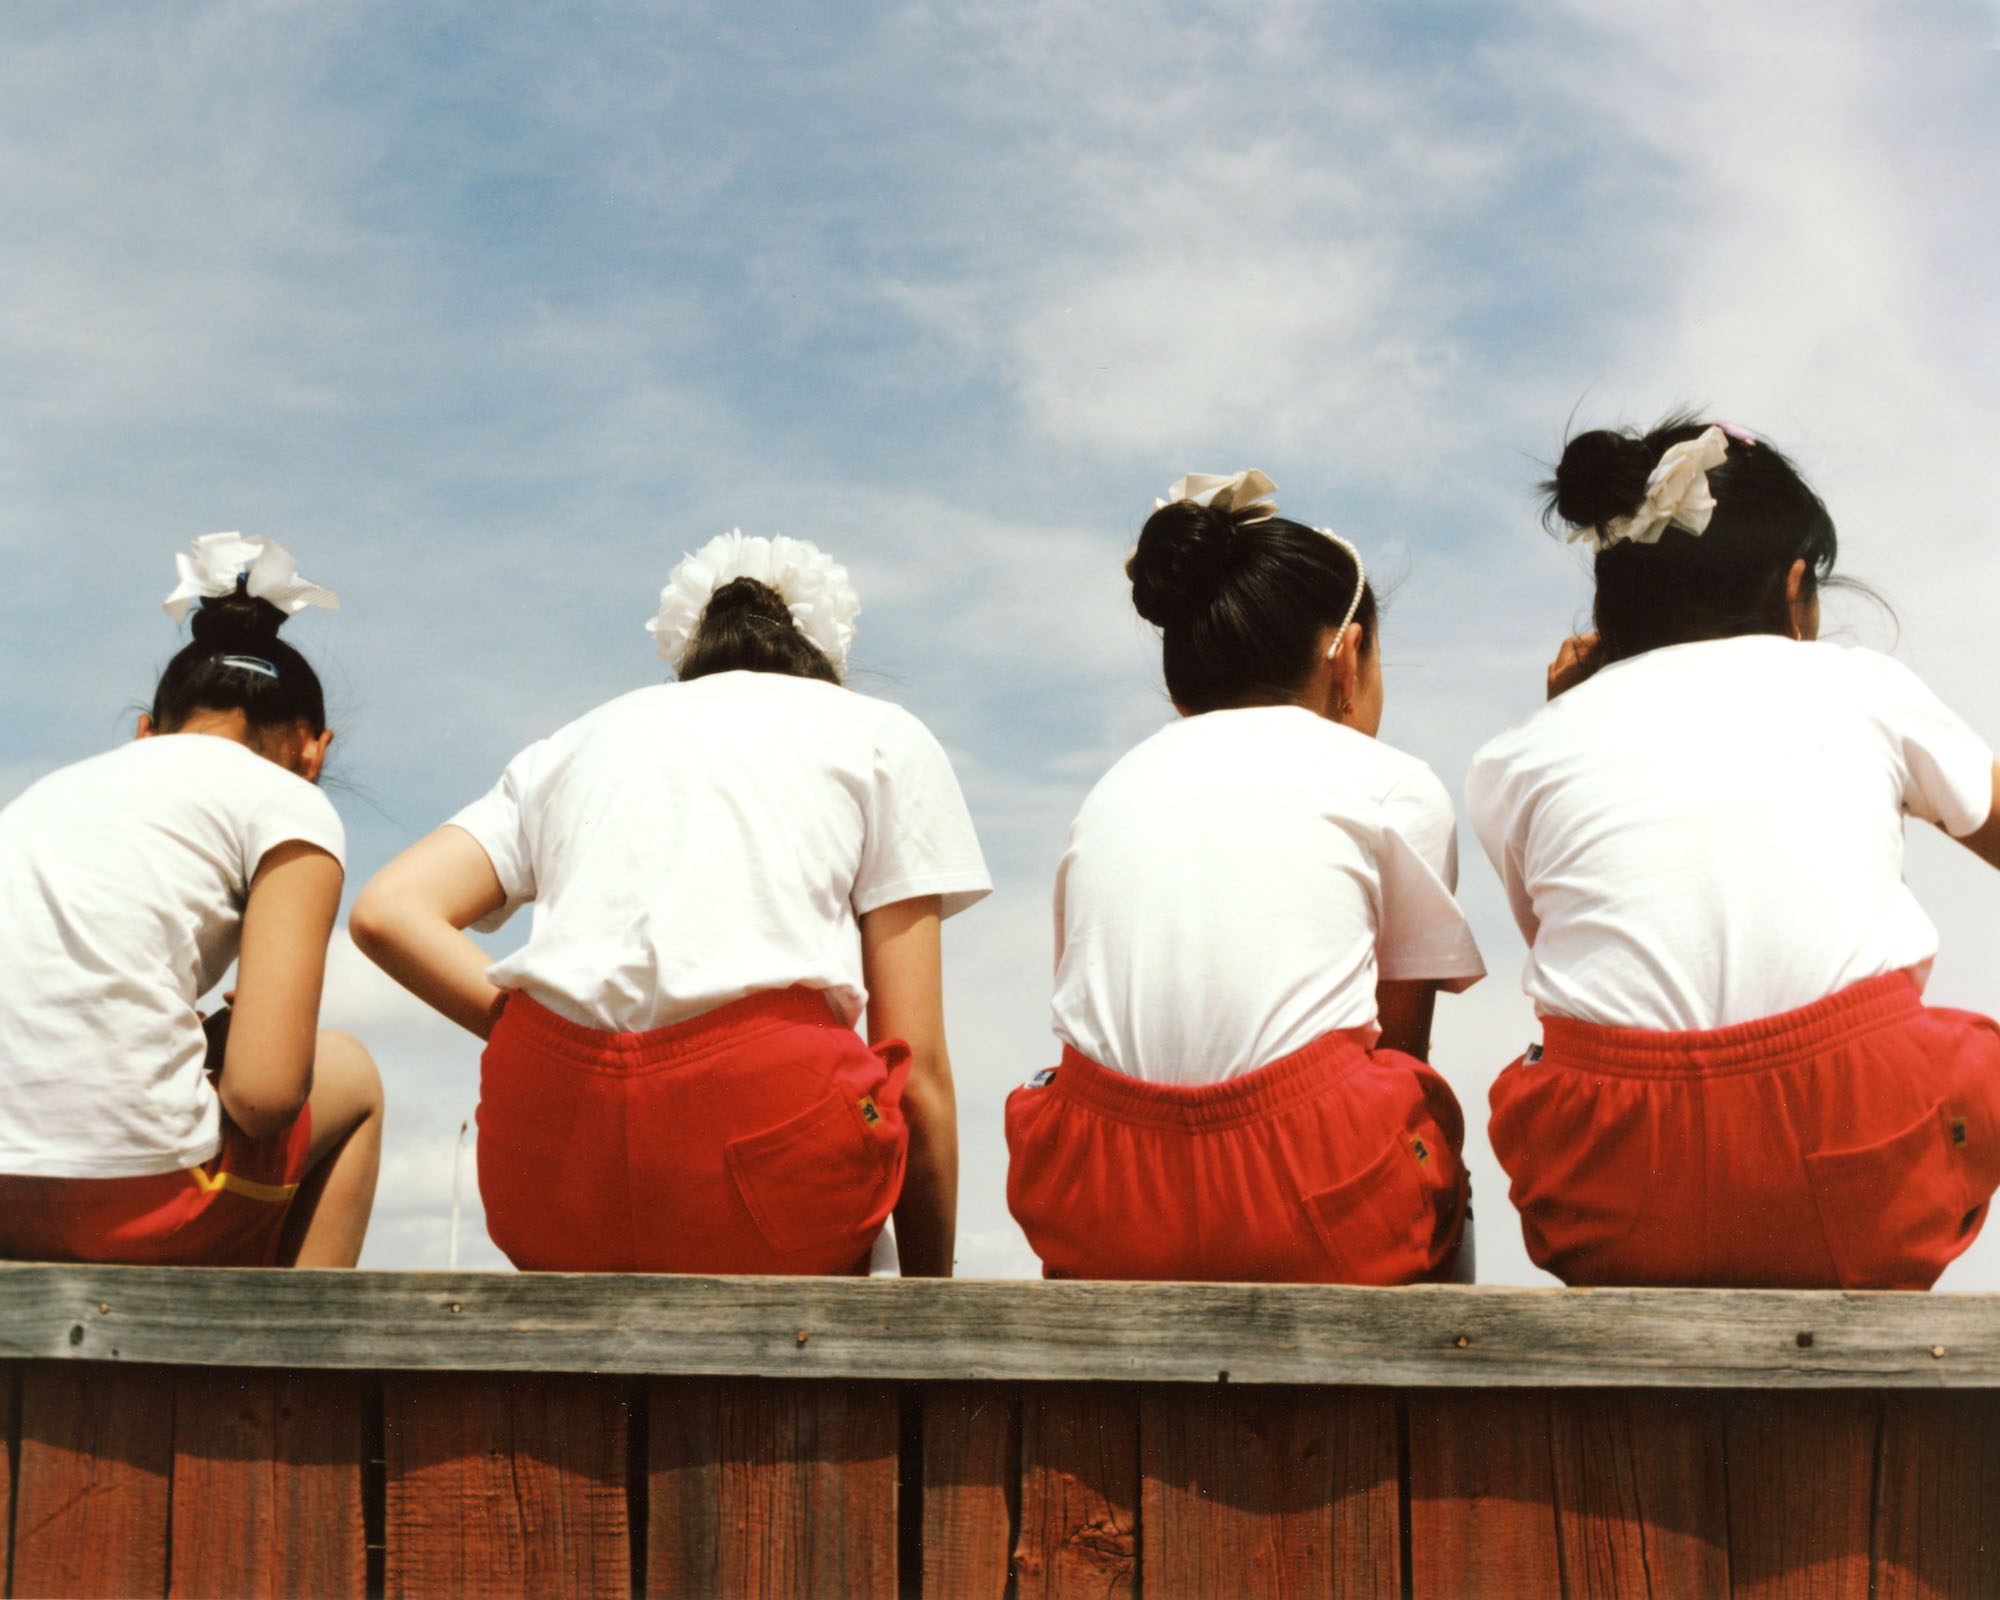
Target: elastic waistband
529, 1023
1302, 1075
1780, 1041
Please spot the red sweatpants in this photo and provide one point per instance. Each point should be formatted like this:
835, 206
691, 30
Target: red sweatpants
1850, 1144
761, 1137
227, 1212
1333, 1164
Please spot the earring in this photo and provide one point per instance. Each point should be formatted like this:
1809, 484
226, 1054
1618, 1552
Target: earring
1345, 707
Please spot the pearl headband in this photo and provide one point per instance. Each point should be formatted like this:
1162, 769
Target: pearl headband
1249, 497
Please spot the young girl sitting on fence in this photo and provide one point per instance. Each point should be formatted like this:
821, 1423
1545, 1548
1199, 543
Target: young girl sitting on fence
1702, 840
128, 884
1253, 919
727, 871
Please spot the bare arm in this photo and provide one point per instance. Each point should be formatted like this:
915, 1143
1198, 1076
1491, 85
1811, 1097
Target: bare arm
1984, 840
902, 965
410, 922
274, 1024
1403, 1009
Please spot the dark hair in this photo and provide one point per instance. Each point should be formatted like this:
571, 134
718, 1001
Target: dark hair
1729, 579
275, 689
747, 627
1240, 603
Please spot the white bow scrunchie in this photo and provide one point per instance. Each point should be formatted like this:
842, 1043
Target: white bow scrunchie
1677, 494
1249, 496
1245, 495
268, 571
814, 587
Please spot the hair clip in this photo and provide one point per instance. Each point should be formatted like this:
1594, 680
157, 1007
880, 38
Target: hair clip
255, 664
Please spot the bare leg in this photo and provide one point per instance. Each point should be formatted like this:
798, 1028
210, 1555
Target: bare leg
329, 1215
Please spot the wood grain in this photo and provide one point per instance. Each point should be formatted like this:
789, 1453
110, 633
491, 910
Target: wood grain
503, 1485
1801, 1485
91, 1503
1258, 1491
972, 1488
774, 1489
1079, 1492
1641, 1493
1937, 1507
267, 1484
1482, 1497
1429, 1336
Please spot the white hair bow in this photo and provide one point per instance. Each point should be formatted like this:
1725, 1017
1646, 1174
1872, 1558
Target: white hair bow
814, 587
1677, 494
1247, 493
269, 572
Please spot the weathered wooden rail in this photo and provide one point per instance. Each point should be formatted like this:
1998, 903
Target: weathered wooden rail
297, 1433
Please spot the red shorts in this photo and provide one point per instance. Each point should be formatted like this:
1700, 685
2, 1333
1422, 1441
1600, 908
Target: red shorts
1850, 1144
1333, 1164
761, 1137
227, 1212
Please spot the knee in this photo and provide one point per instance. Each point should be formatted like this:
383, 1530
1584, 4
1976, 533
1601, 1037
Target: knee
342, 1063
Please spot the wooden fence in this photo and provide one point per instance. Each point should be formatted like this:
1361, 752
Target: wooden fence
222, 1433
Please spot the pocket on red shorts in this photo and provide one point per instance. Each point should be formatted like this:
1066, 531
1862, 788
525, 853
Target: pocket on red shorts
1894, 1212
813, 1179
1376, 1226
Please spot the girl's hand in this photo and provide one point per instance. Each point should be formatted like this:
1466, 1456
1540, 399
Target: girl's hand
1575, 661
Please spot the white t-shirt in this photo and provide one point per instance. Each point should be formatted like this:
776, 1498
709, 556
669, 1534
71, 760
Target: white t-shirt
692, 843
122, 885
1712, 833
1236, 886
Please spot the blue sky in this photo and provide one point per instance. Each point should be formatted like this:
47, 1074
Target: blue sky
490, 312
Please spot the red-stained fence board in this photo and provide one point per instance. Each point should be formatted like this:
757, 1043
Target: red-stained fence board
773, 1487
1937, 1512
1642, 1493
1801, 1489
1079, 1491
10, 1382
92, 1493
267, 1483
972, 1488
1268, 1492
505, 1485
1482, 1496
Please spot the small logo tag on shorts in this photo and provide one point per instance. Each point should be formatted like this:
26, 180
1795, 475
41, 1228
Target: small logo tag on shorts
1043, 1079
1958, 1130
1534, 1053
1421, 1150
869, 1114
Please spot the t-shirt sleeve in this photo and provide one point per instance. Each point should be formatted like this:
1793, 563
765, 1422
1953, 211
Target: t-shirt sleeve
1424, 934
919, 833
294, 810
1490, 808
497, 820
1947, 768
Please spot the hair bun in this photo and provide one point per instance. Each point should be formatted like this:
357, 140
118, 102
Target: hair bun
235, 622
1601, 475
1184, 556
751, 596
